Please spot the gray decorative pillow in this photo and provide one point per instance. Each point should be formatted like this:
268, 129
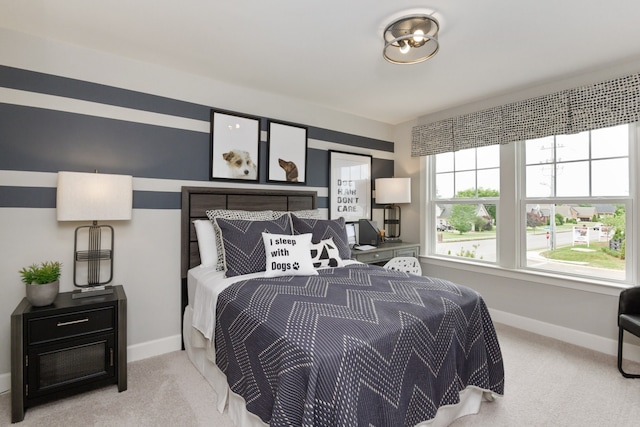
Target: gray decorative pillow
243, 244
232, 214
325, 254
322, 229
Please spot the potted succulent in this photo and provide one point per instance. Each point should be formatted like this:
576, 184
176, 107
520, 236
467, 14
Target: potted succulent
42, 282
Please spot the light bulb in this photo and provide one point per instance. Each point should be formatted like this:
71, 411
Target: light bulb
404, 47
418, 36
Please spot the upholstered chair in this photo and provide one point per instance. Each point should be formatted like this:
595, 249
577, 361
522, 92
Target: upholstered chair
628, 320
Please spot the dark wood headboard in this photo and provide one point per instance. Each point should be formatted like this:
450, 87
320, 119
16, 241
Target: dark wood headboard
197, 200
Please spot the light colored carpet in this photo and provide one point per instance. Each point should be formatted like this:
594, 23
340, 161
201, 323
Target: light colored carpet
162, 391
548, 383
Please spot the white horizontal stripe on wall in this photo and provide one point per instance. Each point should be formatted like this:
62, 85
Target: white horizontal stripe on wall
71, 105
151, 184
76, 106
50, 180
28, 179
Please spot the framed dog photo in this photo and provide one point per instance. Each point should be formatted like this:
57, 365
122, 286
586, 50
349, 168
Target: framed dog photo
349, 186
287, 160
235, 145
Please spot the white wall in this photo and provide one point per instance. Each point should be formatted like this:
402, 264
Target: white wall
147, 252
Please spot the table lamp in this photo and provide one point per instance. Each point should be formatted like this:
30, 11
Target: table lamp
93, 197
390, 192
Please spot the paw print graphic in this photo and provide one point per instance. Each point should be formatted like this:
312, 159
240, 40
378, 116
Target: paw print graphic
296, 266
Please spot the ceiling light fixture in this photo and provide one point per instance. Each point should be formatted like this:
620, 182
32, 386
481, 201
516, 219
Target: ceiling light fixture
411, 39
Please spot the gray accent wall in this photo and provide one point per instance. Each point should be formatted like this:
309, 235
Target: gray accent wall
63, 107
46, 140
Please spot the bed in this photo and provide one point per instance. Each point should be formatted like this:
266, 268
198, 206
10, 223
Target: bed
344, 344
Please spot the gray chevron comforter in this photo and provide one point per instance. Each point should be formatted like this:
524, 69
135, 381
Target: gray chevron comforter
354, 346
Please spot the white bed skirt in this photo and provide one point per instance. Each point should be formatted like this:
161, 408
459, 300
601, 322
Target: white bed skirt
200, 354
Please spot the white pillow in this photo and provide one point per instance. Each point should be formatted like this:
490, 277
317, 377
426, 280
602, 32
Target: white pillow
288, 255
206, 242
325, 254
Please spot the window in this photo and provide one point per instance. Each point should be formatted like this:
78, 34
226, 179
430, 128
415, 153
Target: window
567, 209
576, 202
467, 189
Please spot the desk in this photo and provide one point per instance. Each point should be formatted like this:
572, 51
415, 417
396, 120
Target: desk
385, 252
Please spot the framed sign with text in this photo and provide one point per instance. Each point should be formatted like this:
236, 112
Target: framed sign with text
349, 186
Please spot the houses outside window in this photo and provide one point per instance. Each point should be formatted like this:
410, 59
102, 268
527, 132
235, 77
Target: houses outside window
577, 200
467, 189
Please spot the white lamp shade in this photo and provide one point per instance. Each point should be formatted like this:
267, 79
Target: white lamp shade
94, 196
393, 190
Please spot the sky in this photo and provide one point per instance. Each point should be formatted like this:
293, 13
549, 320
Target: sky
581, 169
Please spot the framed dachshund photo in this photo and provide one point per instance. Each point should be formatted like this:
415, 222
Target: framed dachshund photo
349, 186
287, 160
235, 146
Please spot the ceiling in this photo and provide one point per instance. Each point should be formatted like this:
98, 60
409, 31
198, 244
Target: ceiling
329, 52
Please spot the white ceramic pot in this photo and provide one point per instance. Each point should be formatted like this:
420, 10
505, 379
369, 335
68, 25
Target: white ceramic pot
41, 295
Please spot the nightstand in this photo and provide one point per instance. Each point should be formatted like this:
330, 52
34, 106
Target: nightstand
385, 252
70, 346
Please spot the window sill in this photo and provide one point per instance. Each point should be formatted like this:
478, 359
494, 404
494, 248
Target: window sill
578, 283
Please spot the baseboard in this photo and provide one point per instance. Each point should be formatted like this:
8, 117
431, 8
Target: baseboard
572, 336
154, 348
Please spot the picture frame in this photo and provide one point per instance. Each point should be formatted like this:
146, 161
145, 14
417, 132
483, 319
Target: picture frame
287, 153
349, 186
235, 146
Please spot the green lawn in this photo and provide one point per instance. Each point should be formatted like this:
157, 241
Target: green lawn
596, 258
454, 236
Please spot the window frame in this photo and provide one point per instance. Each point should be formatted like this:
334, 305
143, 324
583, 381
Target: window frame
629, 202
434, 202
511, 246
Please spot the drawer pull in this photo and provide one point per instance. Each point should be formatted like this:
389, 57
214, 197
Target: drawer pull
73, 322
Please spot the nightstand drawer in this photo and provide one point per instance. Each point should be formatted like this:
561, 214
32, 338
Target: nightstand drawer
375, 256
70, 325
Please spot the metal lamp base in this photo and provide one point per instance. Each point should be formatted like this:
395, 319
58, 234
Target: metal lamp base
93, 257
93, 291
392, 240
392, 223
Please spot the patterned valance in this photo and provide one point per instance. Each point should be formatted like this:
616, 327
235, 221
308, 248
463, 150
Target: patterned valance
604, 104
